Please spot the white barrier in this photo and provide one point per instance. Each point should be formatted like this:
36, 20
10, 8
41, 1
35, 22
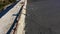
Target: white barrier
21, 22
7, 20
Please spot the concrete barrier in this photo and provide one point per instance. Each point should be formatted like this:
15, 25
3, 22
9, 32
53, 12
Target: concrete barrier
21, 22
7, 20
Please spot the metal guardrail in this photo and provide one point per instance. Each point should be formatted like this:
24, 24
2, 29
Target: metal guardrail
7, 20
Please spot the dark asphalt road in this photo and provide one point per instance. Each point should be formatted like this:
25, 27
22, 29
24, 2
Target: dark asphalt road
43, 17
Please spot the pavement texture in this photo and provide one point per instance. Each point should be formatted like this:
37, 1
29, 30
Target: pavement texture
43, 17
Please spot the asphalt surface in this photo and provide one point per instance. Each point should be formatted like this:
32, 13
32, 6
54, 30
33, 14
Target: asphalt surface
43, 17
